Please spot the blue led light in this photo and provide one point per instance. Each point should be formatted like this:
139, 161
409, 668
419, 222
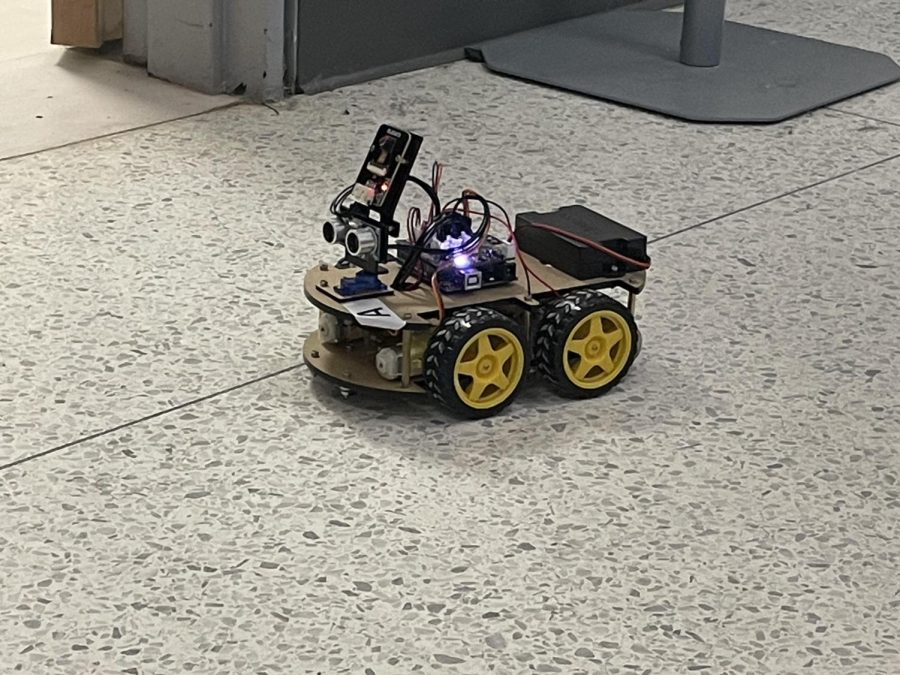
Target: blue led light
462, 261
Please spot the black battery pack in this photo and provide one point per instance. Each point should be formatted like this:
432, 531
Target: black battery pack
576, 258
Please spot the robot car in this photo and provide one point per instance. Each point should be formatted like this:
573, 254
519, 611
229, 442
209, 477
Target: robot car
463, 303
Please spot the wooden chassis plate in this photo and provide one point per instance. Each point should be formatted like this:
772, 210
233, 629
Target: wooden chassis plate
351, 366
418, 308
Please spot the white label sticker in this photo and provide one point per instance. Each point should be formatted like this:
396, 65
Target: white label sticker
374, 313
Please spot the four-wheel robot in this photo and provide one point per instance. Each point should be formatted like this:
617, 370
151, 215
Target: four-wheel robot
462, 310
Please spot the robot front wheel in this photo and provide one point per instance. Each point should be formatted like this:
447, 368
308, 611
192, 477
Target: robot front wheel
476, 362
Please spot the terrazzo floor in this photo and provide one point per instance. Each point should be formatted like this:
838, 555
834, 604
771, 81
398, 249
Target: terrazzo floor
179, 496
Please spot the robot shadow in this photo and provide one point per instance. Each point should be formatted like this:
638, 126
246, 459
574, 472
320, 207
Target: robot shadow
419, 408
417, 426
659, 400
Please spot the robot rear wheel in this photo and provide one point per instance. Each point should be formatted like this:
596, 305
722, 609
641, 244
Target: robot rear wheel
585, 343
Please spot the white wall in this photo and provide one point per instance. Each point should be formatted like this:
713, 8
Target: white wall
214, 46
134, 42
254, 47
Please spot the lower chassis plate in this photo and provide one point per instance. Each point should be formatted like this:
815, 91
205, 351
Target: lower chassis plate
352, 366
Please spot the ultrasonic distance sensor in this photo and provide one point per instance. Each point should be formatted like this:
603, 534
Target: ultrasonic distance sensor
361, 241
334, 233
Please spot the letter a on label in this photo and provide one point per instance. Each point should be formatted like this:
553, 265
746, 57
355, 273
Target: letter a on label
373, 313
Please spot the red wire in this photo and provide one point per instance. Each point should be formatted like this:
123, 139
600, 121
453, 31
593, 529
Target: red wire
640, 264
465, 202
530, 271
525, 266
519, 255
435, 288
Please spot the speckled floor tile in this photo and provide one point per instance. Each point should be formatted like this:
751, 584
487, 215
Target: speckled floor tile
731, 509
144, 270
867, 24
532, 144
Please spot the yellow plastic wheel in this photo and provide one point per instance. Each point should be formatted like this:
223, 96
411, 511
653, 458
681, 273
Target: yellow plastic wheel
585, 343
489, 368
476, 362
597, 349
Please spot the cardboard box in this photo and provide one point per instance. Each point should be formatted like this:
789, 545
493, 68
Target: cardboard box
86, 23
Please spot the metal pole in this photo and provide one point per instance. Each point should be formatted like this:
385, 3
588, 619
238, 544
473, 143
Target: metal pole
701, 33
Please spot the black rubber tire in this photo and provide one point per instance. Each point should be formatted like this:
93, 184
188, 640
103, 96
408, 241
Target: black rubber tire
444, 350
559, 319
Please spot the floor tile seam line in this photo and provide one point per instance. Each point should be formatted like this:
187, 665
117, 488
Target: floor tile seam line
775, 198
152, 416
112, 134
41, 51
865, 117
